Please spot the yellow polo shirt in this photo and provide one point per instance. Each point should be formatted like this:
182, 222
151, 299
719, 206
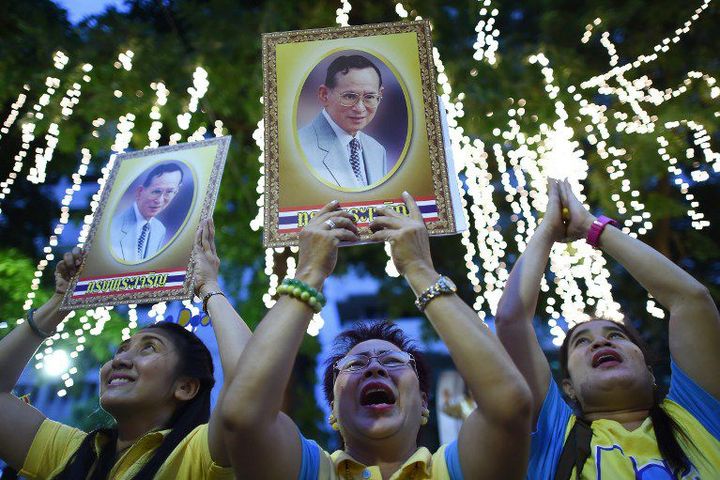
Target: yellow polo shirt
55, 443
317, 464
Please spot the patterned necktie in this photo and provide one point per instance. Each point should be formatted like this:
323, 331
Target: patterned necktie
355, 159
141, 240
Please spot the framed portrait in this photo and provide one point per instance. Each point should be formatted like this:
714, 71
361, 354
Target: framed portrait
139, 248
352, 114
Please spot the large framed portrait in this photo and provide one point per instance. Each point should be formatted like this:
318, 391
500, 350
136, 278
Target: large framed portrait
139, 248
352, 114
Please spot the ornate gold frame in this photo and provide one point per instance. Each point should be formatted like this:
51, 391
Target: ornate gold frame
208, 206
272, 237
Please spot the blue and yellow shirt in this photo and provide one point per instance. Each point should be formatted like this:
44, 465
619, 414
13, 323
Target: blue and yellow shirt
317, 464
617, 453
55, 443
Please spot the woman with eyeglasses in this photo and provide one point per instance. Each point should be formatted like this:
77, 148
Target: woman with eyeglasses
156, 387
611, 421
376, 381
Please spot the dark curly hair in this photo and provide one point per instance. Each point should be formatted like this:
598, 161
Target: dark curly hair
382, 330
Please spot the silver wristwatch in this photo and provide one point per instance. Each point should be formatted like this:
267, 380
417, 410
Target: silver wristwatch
443, 286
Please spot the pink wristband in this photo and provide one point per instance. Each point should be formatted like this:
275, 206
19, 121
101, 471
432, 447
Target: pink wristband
597, 227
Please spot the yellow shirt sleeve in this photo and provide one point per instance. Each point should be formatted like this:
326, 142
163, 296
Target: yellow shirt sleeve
52, 447
191, 459
439, 469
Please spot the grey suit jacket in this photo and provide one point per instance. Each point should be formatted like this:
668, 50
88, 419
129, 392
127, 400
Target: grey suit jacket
326, 155
124, 239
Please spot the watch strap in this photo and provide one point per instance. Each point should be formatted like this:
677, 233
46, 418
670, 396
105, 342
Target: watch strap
440, 287
596, 229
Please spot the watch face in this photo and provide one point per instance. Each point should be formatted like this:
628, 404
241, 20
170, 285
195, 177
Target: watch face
448, 284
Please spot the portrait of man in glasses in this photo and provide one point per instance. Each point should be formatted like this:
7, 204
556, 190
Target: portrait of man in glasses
136, 234
334, 142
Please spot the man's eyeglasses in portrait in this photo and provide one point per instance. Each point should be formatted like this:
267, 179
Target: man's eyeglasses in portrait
159, 192
350, 99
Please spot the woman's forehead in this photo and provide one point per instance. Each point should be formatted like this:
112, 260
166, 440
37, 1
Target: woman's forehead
596, 327
148, 334
373, 346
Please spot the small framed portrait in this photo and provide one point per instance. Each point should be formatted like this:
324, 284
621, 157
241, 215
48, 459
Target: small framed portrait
352, 114
139, 248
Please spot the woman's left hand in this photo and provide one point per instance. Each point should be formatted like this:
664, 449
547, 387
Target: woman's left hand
580, 219
407, 235
207, 262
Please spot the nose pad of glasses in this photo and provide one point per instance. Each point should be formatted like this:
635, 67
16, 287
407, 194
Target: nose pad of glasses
375, 367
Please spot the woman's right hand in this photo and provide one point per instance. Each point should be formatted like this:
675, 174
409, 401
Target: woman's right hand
207, 262
319, 243
67, 268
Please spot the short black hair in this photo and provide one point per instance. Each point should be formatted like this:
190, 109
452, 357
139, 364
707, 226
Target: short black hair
380, 330
162, 169
344, 63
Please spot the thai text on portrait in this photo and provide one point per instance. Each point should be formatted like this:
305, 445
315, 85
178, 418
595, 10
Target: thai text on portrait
361, 214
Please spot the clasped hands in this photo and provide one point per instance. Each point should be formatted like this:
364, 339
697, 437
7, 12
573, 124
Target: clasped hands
319, 240
576, 221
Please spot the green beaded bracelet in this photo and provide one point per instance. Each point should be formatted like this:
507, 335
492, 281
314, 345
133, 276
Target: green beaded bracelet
303, 292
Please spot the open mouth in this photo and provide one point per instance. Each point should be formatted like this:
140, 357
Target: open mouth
376, 394
607, 358
117, 380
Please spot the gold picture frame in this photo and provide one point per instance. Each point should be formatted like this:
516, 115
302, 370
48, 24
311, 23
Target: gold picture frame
300, 177
139, 246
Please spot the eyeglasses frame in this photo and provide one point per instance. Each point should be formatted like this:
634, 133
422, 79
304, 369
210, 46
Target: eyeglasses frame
411, 362
340, 94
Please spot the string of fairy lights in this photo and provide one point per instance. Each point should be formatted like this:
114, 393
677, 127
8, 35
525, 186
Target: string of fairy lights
14, 111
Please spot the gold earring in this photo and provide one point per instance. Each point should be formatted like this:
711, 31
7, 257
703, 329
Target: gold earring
425, 417
333, 422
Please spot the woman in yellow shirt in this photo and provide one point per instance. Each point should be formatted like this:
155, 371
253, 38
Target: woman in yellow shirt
612, 422
376, 383
157, 387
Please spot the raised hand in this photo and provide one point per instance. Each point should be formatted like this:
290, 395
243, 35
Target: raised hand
67, 268
319, 243
580, 219
207, 262
553, 223
407, 235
